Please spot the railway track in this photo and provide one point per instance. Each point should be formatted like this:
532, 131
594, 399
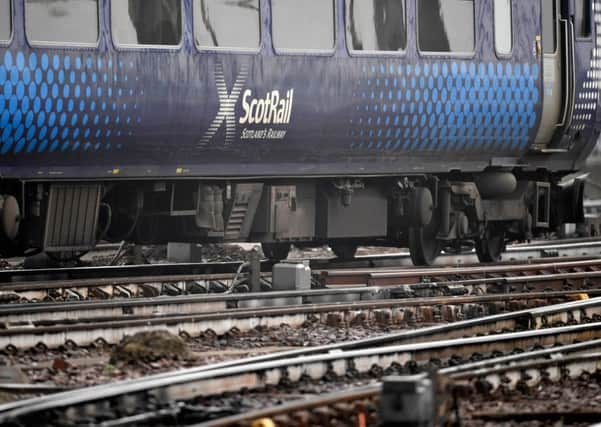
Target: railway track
310, 302
466, 296
360, 405
112, 329
521, 253
354, 407
419, 282
83, 323
151, 397
464, 275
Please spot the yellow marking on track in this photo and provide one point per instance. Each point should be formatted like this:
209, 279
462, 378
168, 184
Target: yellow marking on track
263, 422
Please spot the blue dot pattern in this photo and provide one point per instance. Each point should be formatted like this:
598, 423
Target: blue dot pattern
445, 106
65, 102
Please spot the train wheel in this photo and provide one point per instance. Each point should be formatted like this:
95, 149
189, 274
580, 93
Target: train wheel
344, 251
491, 246
423, 244
276, 251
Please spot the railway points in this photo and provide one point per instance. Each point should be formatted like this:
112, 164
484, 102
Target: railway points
77, 324
188, 385
394, 297
474, 380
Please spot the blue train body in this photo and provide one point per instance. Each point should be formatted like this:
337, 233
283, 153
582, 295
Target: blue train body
106, 115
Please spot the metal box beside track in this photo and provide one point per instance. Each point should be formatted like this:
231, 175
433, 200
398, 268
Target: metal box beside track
291, 276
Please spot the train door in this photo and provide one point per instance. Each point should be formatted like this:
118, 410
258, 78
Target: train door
556, 73
587, 66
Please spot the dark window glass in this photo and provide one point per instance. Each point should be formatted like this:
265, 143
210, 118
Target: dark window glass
446, 25
227, 23
5, 24
303, 24
582, 18
377, 25
62, 21
549, 17
147, 22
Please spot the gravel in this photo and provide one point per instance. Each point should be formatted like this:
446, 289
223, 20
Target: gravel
548, 404
76, 367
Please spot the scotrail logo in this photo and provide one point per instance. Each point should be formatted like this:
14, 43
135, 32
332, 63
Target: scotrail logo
271, 109
265, 111
227, 105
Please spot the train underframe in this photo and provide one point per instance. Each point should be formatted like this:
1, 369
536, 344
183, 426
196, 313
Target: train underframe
427, 213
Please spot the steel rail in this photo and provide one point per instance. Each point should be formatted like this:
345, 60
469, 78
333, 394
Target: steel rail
458, 329
365, 276
528, 368
187, 385
120, 271
586, 247
468, 369
353, 395
520, 282
31, 313
108, 281
172, 269
564, 358
493, 276
114, 329
470, 327
575, 364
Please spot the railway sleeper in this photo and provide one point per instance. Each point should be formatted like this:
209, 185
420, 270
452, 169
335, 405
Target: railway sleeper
195, 387
496, 376
112, 331
380, 401
527, 375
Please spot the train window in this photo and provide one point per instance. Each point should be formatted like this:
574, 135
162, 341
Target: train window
582, 18
62, 21
375, 25
446, 26
147, 22
5, 20
227, 24
303, 25
549, 22
503, 27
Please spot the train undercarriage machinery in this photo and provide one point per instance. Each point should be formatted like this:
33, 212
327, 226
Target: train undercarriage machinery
427, 213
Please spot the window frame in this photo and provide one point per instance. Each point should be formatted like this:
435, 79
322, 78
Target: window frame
313, 52
242, 50
63, 45
12, 26
142, 47
591, 22
442, 54
374, 53
502, 55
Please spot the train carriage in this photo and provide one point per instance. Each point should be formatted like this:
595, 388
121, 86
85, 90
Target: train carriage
427, 123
